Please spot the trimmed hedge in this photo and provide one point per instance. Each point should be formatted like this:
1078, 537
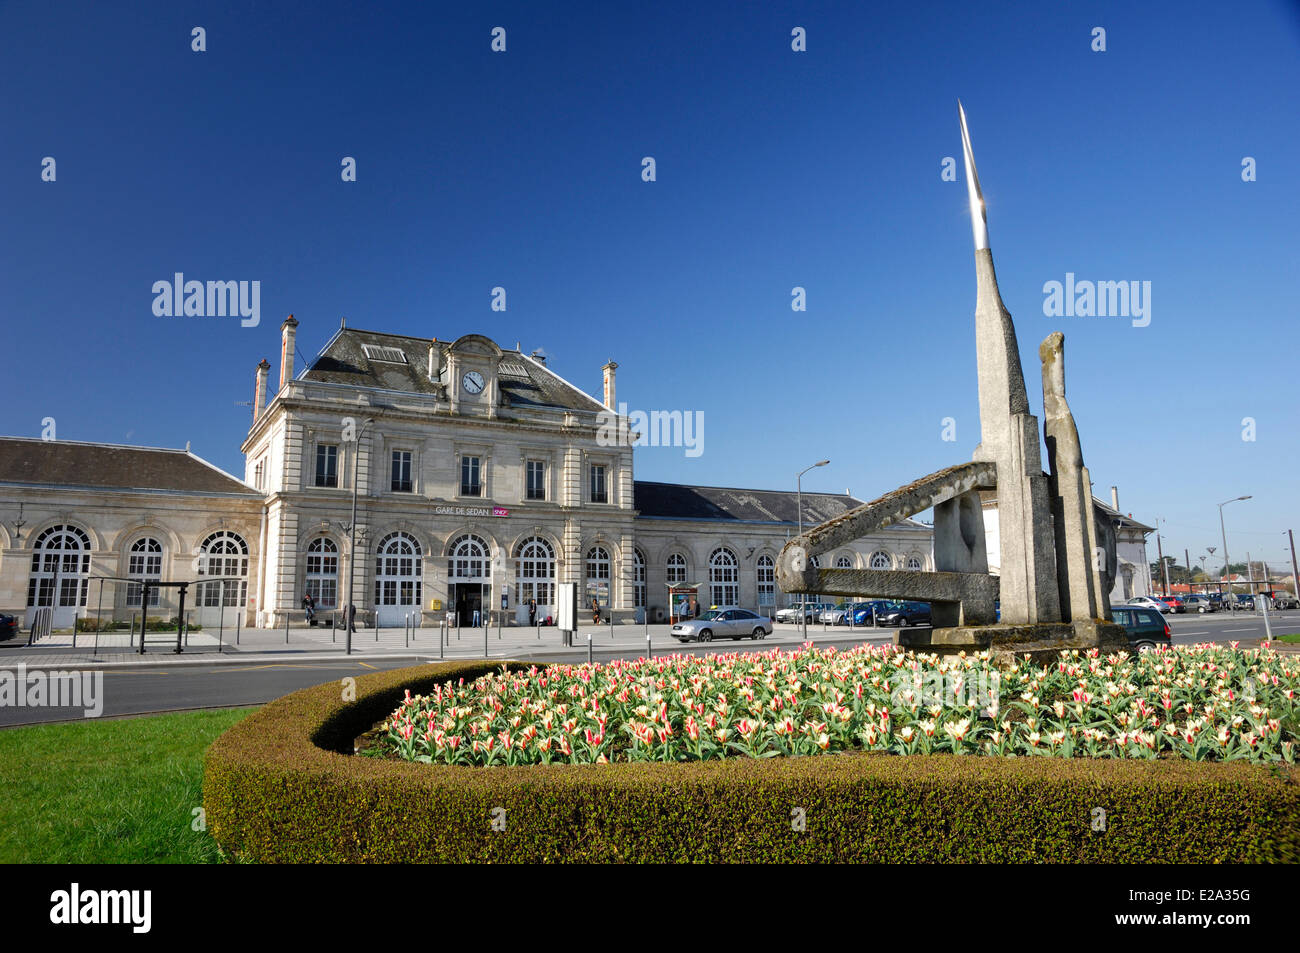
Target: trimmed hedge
282, 786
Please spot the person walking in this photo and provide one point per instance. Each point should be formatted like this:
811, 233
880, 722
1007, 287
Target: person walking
595, 611
352, 618
532, 612
309, 608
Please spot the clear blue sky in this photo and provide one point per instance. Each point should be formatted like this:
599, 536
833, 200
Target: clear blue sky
775, 169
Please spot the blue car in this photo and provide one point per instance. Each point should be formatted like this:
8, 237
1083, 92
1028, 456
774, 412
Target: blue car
862, 614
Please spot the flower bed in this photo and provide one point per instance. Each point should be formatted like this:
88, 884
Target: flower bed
1205, 702
283, 786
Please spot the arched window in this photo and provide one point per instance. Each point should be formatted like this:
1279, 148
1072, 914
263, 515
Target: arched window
881, 560
535, 572
914, 563
143, 562
398, 573
223, 554
724, 578
60, 553
766, 581
843, 562
468, 559
598, 564
323, 572
676, 570
638, 579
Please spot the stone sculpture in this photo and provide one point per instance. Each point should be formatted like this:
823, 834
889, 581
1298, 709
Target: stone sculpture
1055, 561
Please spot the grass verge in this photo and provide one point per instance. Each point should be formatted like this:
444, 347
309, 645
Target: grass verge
108, 791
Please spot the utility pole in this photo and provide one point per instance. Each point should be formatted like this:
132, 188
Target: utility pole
1161, 554
1187, 561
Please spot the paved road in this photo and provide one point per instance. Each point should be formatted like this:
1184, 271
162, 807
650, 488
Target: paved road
140, 689
1230, 626
171, 685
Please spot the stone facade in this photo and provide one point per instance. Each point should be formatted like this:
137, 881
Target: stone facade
479, 473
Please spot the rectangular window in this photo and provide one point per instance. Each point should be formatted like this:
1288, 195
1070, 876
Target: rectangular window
327, 465
599, 491
536, 472
259, 475
470, 482
401, 471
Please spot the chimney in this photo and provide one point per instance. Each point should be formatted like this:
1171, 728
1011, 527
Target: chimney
539, 356
288, 331
259, 391
1114, 498
609, 369
433, 359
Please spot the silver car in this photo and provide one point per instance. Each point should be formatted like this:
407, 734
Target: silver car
727, 622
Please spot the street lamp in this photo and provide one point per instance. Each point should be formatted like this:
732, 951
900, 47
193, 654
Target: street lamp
1227, 562
798, 484
349, 611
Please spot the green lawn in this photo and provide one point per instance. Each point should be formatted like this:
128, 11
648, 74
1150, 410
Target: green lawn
1293, 638
110, 791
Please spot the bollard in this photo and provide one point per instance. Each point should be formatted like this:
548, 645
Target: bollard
406, 631
130, 638
649, 649
442, 645
485, 638
286, 626
239, 618
589, 648
333, 619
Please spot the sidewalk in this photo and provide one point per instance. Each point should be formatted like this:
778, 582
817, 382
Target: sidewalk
314, 644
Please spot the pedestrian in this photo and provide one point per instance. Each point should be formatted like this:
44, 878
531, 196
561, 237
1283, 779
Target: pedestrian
476, 618
309, 608
352, 618
595, 611
532, 612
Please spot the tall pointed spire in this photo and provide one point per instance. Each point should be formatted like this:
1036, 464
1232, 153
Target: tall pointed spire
978, 220
1009, 437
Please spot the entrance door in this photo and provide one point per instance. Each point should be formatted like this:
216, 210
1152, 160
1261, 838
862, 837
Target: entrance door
468, 599
398, 576
60, 574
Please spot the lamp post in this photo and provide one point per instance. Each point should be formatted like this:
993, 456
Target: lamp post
348, 610
1227, 563
798, 490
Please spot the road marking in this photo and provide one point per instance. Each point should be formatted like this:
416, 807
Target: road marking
1252, 629
367, 665
1200, 632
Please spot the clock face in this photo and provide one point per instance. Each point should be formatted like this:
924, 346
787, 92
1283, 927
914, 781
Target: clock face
472, 382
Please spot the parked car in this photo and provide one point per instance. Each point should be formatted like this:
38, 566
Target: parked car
1175, 603
832, 616
1245, 600
1147, 602
8, 626
1200, 604
1147, 627
812, 612
1217, 600
862, 614
727, 622
1284, 600
904, 614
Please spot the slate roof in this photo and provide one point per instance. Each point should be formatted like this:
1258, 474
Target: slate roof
679, 501
1115, 516
524, 381
72, 463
